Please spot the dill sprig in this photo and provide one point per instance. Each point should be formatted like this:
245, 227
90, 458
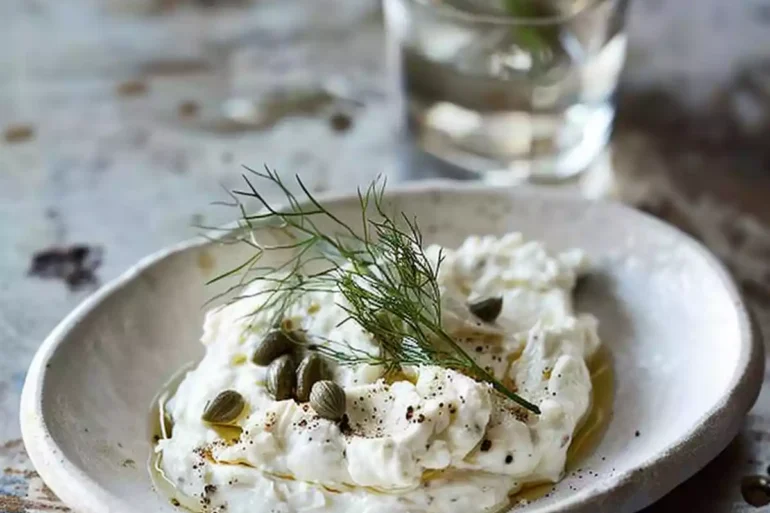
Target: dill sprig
389, 285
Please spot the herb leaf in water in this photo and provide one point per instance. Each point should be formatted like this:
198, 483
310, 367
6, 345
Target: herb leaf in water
541, 41
389, 285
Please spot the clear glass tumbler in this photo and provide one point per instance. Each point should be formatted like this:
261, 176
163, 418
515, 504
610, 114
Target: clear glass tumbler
510, 89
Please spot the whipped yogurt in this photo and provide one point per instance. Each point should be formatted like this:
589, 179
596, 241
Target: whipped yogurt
434, 441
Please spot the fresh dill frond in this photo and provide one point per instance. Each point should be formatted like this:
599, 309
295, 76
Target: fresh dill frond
389, 285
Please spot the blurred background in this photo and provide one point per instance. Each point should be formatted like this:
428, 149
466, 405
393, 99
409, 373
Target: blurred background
122, 120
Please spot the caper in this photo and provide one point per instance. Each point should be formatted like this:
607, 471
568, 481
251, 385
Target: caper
275, 344
281, 378
487, 309
224, 408
328, 400
311, 369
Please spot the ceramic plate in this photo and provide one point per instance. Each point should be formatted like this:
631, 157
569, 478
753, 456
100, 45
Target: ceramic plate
687, 366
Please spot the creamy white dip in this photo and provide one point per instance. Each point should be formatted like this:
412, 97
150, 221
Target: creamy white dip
435, 442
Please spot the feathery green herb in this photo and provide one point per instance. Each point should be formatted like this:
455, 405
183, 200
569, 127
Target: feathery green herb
389, 285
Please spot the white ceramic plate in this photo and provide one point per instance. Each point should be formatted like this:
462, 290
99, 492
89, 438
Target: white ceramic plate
687, 365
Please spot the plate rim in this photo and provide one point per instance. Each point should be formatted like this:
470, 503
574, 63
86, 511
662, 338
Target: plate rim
711, 434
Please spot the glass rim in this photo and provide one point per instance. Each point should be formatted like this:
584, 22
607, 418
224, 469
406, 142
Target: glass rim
507, 20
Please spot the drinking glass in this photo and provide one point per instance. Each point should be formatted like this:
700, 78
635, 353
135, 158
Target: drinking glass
509, 89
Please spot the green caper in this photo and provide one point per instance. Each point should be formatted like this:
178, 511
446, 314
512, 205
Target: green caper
225, 408
311, 369
275, 344
487, 309
281, 378
328, 400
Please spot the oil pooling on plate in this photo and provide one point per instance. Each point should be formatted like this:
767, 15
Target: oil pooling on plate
161, 427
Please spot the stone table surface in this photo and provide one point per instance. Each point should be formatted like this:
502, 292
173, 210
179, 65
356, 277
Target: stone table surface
112, 147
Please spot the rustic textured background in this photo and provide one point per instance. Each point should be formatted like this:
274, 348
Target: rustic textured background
110, 148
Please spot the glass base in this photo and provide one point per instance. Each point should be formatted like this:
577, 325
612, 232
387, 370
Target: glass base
503, 170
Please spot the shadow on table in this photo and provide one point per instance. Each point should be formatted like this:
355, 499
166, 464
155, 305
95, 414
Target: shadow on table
715, 488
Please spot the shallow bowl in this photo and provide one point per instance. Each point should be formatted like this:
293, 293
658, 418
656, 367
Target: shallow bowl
687, 364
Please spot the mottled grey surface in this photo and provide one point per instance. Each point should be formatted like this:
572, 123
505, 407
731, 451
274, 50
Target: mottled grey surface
110, 139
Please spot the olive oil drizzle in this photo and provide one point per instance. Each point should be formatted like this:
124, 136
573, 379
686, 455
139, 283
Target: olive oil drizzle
591, 432
584, 443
